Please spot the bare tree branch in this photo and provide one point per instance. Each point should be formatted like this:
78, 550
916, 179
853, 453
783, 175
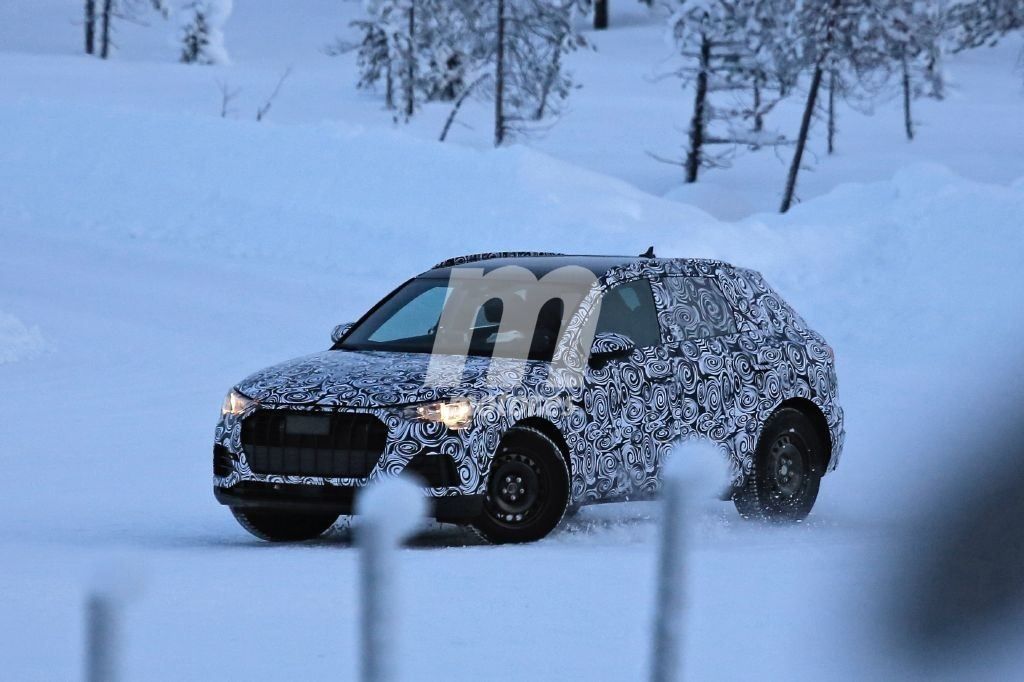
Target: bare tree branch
262, 110
227, 96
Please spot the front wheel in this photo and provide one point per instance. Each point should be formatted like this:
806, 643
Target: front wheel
527, 490
283, 526
787, 474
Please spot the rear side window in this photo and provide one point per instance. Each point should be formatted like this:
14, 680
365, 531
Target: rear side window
696, 309
629, 309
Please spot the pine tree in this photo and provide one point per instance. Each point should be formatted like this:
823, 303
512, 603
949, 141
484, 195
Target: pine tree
372, 59
511, 53
528, 41
731, 59
913, 32
395, 40
974, 23
110, 10
196, 39
202, 40
508, 51
839, 38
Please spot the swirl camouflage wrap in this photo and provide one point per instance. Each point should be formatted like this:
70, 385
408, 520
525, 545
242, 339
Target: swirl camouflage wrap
731, 352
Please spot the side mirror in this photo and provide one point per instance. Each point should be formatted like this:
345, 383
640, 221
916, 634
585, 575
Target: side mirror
608, 345
339, 332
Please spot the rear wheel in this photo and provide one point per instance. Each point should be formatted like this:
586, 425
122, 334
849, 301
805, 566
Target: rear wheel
787, 474
527, 490
283, 526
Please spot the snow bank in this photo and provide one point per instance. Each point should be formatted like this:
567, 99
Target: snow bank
309, 195
914, 257
18, 341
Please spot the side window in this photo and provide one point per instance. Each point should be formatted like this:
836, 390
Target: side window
629, 309
697, 309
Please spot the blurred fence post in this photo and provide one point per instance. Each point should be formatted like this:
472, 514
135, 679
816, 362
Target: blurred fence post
666, 655
390, 510
113, 585
101, 633
696, 469
374, 591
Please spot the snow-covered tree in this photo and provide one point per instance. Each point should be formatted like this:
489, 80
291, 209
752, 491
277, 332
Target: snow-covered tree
108, 12
509, 51
399, 39
528, 39
405, 37
372, 58
913, 33
832, 37
202, 35
974, 23
732, 58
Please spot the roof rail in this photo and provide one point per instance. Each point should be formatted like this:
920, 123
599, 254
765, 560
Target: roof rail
474, 257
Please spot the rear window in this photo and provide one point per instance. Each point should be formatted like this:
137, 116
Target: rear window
698, 310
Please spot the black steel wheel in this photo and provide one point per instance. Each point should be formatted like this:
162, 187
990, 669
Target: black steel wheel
527, 489
283, 526
787, 473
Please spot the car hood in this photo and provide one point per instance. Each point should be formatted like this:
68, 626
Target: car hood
380, 379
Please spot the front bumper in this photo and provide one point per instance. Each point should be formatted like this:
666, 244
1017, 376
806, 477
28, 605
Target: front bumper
450, 463
333, 499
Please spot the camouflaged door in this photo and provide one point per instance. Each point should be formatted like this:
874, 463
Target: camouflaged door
705, 348
627, 399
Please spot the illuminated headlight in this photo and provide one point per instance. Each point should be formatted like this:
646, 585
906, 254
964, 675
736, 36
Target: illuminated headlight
455, 414
235, 403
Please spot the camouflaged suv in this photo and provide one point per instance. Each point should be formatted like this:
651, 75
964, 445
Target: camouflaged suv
515, 386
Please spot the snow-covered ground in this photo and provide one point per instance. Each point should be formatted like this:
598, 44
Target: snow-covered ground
152, 253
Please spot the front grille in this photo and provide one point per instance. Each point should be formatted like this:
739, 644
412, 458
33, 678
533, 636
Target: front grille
329, 445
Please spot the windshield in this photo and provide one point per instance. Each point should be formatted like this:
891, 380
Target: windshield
484, 317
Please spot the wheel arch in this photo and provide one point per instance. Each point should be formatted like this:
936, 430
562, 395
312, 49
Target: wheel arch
811, 410
551, 431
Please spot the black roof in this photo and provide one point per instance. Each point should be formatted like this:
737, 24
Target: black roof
538, 263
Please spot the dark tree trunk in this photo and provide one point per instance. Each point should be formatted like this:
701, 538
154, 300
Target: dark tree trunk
758, 116
90, 26
389, 88
459, 101
693, 156
936, 81
831, 111
908, 121
549, 82
499, 79
108, 9
410, 86
801, 141
600, 14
